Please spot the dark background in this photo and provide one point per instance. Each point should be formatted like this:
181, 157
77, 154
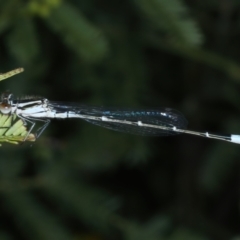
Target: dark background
82, 182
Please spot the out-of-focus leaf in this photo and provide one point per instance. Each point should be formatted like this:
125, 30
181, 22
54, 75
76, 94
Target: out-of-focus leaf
9, 11
85, 39
42, 8
5, 236
186, 234
154, 229
172, 17
94, 207
219, 164
22, 41
32, 219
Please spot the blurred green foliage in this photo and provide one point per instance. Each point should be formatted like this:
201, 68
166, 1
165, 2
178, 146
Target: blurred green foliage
79, 181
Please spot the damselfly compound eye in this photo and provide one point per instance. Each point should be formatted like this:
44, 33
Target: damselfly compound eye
5, 108
5, 105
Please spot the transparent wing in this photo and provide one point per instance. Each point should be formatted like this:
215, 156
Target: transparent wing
163, 118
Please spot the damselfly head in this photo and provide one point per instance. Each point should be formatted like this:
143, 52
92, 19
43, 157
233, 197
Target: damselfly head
5, 105
5, 108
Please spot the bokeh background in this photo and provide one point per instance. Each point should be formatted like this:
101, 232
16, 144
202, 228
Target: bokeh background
82, 182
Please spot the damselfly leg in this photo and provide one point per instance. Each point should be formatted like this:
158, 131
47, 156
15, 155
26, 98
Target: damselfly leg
32, 122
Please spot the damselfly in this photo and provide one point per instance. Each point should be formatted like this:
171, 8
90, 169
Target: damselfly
160, 122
